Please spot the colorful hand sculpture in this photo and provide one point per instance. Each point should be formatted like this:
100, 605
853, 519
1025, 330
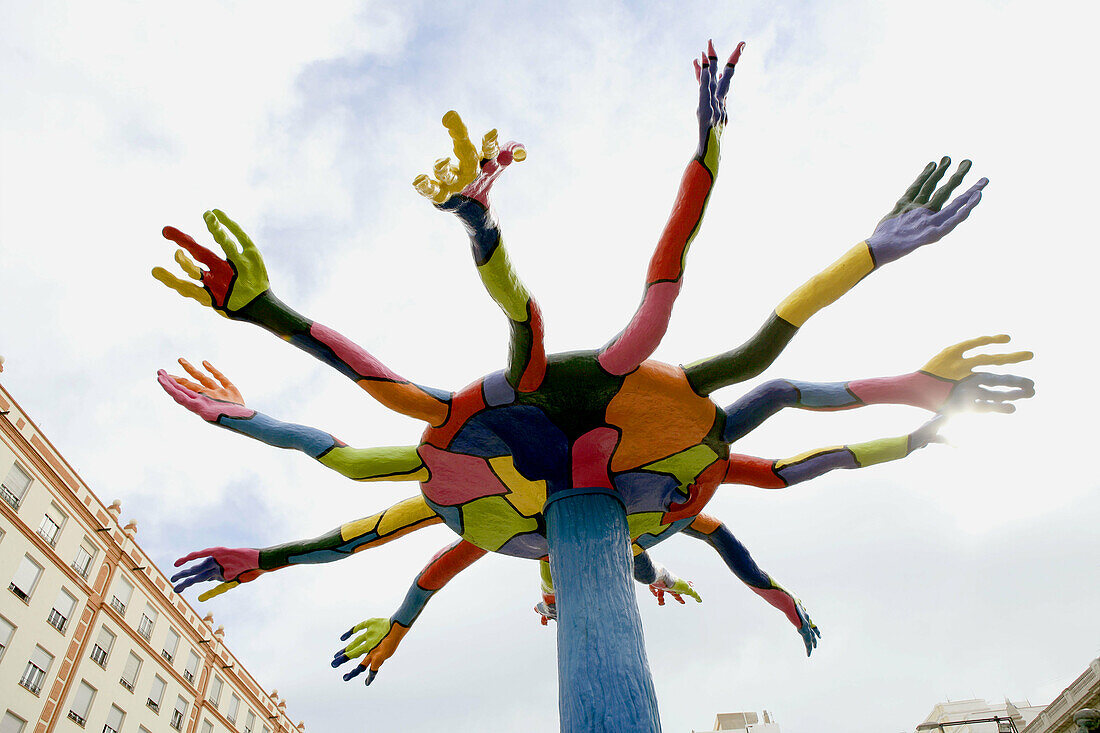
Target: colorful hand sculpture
230, 567
606, 418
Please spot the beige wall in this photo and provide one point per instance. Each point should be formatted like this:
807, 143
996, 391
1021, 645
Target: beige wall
57, 487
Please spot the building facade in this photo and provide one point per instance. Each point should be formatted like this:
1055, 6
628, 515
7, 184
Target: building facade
1084, 692
91, 634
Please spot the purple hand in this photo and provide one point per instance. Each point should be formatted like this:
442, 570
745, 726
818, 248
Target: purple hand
713, 89
917, 218
221, 564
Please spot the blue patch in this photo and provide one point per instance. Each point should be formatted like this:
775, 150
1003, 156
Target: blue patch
817, 465
539, 449
414, 603
530, 545
824, 394
497, 391
735, 555
310, 441
747, 413
440, 394
643, 491
452, 515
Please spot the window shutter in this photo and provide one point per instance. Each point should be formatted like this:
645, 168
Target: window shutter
26, 575
83, 699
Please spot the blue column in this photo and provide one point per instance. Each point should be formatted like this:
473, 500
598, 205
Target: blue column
604, 683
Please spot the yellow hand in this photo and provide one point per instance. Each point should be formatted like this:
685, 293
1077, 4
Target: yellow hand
951, 364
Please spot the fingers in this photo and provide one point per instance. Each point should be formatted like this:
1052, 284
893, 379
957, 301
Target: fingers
219, 589
957, 211
727, 73
964, 346
490, 146
183, 287
203, 379
218, 375
208, 552
940, 197
695, 63
1014, 357
197, 388
426, 187
987, 379
464, 149
181, 394
911, 192
221, 236
188, 265
243, 239
933, 179
196, 250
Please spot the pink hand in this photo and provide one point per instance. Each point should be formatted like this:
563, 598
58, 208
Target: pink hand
206, 408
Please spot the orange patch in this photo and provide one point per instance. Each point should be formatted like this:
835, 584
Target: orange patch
408, 399
659, 414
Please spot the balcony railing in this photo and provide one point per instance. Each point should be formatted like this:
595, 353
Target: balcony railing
9, 497
19, 593
167, 655
108, 729
77, 719
152, 705
32, 679
56, 620
99, 655
189, 675
48, 536
118, 605
126, 683
145, 628
82, 571
177, 719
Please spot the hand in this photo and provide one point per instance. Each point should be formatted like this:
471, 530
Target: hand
228, 285
208, 408
971, 391
928, 433
712, 90
666, 582
474, 176
547, 612
223, 390
230, 566
378, 642
808, 630
917, 218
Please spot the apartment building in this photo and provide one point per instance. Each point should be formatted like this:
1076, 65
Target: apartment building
91, 634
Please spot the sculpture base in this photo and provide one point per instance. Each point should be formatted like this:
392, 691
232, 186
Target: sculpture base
604, 683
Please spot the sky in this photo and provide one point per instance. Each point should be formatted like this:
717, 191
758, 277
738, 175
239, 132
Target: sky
963, 571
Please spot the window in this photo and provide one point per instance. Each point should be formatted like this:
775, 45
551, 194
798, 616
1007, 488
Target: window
11, 723
114, 720
148, 621
179, 713
6, 631
62, 611
207, 727
50, 527
215, 692
249, 722
121, 597
156, 694
15, 486
102, 648
130, 672
192, 666
84, 557
26, 578
37, 667
234, 706
266, 729
171, 643
82, 701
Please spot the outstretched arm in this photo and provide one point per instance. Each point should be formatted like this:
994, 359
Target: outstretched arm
464, 190
640, 338
232, 566
380, 636
947, 382
738, 559
779, 474
220, 402
918, 218
238, 288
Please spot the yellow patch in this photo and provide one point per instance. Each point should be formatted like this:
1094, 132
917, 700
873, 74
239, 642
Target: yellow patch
804, 456
359, 527
528, 497
404, 514
685, 465
826, 286
644, 523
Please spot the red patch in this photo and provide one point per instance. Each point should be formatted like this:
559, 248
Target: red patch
699, 493
668, 259
753, 471
464, 405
